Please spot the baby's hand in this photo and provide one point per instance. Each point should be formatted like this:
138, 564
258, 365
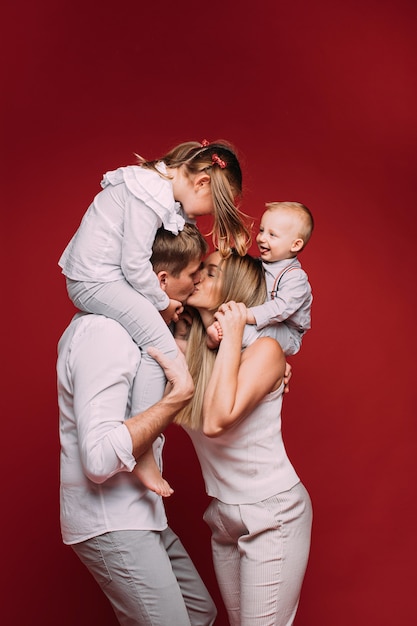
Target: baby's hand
172, 312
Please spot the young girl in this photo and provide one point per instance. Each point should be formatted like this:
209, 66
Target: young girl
107, 262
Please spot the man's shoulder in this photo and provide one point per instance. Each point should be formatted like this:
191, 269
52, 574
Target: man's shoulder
99, 327
96, 349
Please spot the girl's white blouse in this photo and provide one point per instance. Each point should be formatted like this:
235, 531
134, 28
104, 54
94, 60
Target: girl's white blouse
115, 237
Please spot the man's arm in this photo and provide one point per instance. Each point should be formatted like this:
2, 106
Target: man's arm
145, 427
97, 364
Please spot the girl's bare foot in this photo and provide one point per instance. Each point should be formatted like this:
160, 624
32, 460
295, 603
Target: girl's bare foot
148, 473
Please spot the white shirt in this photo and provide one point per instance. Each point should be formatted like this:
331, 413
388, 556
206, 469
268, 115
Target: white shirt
248, 462
97, 365
115, 237
292, 302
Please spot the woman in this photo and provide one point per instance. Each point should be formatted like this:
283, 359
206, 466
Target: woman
260, 515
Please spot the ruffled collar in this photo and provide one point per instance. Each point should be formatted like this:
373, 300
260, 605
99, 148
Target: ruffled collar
153, 190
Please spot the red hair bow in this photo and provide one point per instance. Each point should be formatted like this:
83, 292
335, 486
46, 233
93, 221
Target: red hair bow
216, 159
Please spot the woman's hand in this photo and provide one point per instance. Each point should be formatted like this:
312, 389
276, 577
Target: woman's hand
239, 381
231, 317
233, 313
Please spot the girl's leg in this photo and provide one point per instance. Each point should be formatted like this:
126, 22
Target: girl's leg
119, 301
148, 473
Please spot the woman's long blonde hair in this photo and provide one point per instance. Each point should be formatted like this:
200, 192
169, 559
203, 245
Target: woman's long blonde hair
242, 280
231, 227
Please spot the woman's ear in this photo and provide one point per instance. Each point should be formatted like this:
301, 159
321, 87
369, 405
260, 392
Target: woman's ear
297, 245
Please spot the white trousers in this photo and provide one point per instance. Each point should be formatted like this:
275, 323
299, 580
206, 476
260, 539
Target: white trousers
260, 554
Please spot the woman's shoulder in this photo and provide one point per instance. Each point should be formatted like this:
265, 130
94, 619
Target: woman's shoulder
264, 362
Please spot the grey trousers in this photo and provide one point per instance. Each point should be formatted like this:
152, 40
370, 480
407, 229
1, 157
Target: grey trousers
260, 554
119, 301
148, 577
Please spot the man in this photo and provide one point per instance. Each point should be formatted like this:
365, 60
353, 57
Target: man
117, 527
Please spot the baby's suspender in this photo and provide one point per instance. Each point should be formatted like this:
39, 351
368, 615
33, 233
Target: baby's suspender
277, 281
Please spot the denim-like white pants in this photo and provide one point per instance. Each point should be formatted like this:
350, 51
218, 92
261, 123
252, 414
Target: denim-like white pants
148, 577
119, 301
260, 554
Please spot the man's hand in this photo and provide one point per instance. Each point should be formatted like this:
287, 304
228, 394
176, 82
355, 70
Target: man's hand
145, 427
180, 384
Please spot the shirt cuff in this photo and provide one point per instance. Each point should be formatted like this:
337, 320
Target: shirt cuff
121, 442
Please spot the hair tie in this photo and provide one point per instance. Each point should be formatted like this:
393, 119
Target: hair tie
216, 159
205, 143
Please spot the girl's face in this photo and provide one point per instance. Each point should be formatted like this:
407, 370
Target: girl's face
207, 292
194, 193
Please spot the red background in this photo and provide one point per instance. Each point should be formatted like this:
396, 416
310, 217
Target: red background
320, 100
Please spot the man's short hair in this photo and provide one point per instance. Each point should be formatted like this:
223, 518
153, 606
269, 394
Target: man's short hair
173, 253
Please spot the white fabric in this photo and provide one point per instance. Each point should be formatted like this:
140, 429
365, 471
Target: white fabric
97, 365
248, 462
288, 339
292, 303
260, 554
116, 234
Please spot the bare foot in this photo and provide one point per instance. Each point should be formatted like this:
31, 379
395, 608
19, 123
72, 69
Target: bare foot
158, 484
148, 473
162, 487
214, 335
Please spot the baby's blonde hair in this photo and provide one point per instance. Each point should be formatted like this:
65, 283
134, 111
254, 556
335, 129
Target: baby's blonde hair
242, 280
231, 228
301, 213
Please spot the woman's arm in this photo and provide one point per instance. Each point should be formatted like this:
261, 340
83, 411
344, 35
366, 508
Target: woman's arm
239, 381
